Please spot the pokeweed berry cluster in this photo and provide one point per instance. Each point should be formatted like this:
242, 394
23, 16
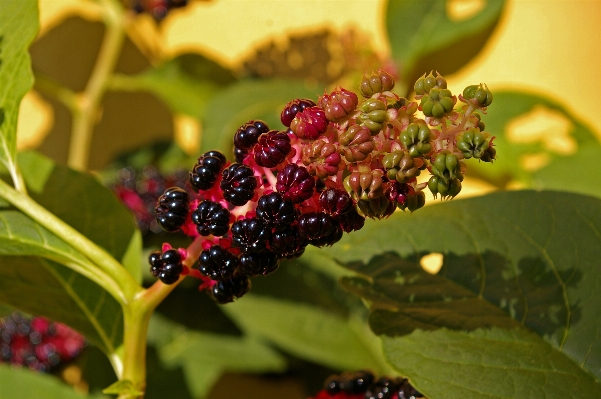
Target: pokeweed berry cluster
336, 162
37, 343
365, 385
158, 9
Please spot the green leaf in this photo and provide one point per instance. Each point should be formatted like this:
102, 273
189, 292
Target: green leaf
205, 356
487, 364
122, 387
185, 83
42, 287
21, 383
532, 255
308, 332
85, 204
246, 100
18, 28
575, 171
423, 37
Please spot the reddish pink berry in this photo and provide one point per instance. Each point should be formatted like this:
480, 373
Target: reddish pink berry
295, 183
321, 158
293, 108
272, 149
338, 105
310, 123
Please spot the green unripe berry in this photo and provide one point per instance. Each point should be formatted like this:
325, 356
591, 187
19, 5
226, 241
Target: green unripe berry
372, 105
419, 86
451, 162
377, 116
378, 82
437, 110
433, 185
469, 92
429, 82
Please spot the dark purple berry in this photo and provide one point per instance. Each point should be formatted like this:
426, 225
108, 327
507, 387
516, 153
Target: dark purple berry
217, 263
232, 288
251, 234
204, 174
259, 263
335, 202
276, 212
315, 225
288, 243
155, 262
333, 385
172, 209
167, 266
211, 218
240, 154
248, 134
358, 382
238, 184
350, 221
272, 149
293, 108
406, 391
295, 183
329, 239
383, 388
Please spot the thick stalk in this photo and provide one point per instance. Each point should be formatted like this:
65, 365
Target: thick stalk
115, 278
87, 112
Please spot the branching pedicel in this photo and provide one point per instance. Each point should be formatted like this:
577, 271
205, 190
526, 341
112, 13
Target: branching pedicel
338, 162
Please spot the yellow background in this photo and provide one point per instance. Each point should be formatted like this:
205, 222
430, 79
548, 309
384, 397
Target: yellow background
549, 46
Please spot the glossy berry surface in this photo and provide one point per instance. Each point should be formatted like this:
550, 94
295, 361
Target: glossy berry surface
272, 149
217, 263
248, 134
315, 225
275, 212
335, 202
251, 234
328, 240
288, 243
172, 209
238, 184
350, 221
211, 218
232, 288
295, 183
259, 263
293, 108
364, 385
207, 169
166, 266
37, 343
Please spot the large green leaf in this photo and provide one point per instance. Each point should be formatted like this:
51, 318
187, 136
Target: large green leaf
185, 82
576, 171
18, 28
423, 37
205, 356
42, 287
512, 260
18, 383
489, 364
84, 203
246, 100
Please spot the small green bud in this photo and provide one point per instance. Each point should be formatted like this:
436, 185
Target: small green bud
377, 82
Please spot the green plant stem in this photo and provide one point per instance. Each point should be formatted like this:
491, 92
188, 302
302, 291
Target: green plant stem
87, 112
109, 273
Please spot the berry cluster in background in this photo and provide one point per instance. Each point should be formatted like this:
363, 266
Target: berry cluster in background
37, 343
336, 162
365, 385
158, 9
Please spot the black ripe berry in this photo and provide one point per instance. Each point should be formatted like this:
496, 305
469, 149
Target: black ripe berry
238, 184
276, 212
167, 266
259, 263
251, 234
217, 263
288, 243
229, 289
335, 202
172, 209
293, 108
211, 218
204, 174
248, 134
315, 225
272, 148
